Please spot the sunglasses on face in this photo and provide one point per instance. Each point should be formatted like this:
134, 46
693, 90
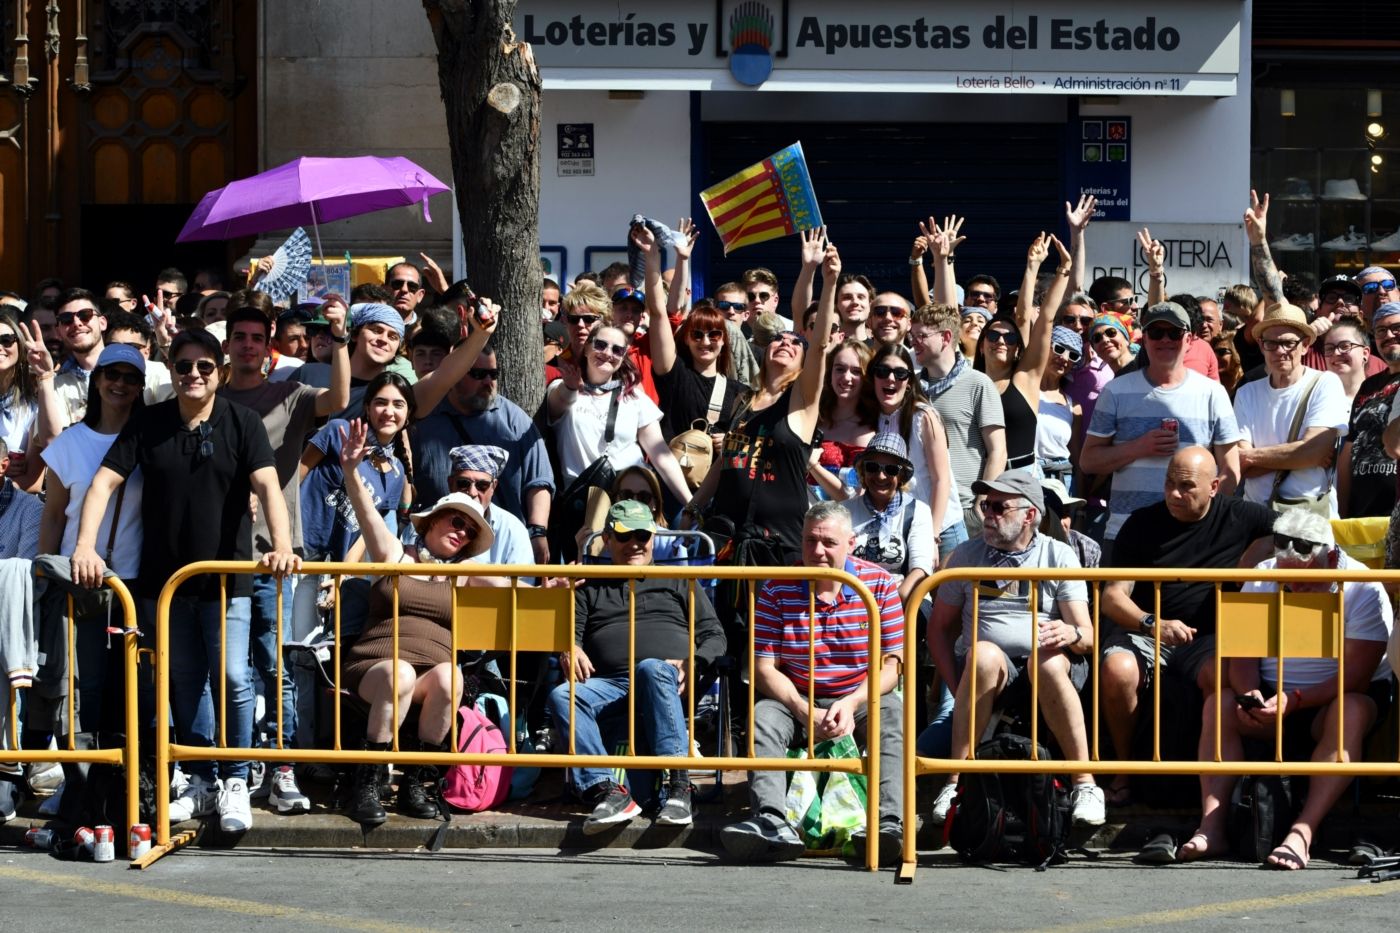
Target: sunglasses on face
730, 305
1332, 298
185, 367
8, 340
168, 295
885, 371
627, 537
761, 297
615, 350
1069, 353
1007, 337
585, 319
889, 470
1165, 333
1123, 303
643, 496
405, 285
714, 335
792, 338
999, 508
119, 375
65, 318
1370, 288
480, 372
1287, 346
981, 296
1298, 545
1071, 320
894, 311
461, 524
462, 484
1103, 336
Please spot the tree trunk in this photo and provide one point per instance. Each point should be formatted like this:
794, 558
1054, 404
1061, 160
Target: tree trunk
491, 92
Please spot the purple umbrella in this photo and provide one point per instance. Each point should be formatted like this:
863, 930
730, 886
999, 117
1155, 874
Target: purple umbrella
309, 190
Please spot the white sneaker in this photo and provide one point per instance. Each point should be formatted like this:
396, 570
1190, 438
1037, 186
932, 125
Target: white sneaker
1088, 805
1292, 242
235, 811
1347, 242
45, 778
178, 780
942, 803
285, 795
1390, 244
197, 798
258, 787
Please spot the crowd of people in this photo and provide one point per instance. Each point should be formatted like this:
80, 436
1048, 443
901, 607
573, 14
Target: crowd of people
888, 431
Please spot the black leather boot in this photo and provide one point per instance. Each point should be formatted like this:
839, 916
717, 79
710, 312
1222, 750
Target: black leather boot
418, 788
364, 806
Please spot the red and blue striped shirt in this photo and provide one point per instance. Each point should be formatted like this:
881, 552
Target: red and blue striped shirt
781, 629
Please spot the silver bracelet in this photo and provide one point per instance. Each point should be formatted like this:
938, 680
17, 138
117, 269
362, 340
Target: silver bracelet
916, 262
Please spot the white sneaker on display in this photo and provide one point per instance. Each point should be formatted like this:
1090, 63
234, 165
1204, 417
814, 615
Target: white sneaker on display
1347, 242
1390, 244
235, 809
1294, 242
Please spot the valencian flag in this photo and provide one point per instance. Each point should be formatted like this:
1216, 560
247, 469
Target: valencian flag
771, 199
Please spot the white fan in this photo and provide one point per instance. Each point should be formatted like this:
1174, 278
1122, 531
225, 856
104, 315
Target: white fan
291, 264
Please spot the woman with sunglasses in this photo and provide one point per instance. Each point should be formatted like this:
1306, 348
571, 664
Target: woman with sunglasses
639, 484
1057, 435
603, 422
893, 527
758, 485
452, 531
1111, 340
30, 413
1015, 350
1228, 359
329, 528
891, 389
847, 418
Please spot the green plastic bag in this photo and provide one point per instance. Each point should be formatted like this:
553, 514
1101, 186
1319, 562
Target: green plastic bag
827, 806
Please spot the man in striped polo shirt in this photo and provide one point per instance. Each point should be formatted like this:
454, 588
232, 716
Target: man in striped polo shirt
782, 674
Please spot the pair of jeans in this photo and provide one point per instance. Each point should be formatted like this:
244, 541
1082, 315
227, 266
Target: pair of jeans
949, 539
775, 730
936, 739
601, 702
263, 639
194, 669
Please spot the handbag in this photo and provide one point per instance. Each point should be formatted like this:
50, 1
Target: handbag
694, 449
827, 807
1320, 504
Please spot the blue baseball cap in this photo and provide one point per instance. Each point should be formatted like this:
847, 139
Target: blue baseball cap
122, 353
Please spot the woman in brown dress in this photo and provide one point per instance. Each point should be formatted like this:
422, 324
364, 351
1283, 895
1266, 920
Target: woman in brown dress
453, 530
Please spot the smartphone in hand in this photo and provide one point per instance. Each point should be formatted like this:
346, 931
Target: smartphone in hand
1248, 701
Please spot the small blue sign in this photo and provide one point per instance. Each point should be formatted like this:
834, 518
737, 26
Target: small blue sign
1098, 161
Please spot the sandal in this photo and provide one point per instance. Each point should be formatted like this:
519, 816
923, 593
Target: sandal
1364, 853
1118, 796
1160, 850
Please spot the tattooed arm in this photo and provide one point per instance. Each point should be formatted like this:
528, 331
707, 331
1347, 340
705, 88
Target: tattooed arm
1261, 263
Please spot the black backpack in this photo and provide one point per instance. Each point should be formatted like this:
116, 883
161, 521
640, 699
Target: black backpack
1017, 817
1262, 809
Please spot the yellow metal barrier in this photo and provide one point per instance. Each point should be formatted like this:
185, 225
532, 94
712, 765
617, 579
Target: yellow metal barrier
514, 618
127, 757
1248, 625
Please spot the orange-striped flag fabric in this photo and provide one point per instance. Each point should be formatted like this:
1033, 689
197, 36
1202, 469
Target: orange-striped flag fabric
771, 199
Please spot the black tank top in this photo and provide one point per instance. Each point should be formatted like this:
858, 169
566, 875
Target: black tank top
763, 480
1020, 428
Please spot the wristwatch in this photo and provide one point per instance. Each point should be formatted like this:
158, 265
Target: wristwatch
343, 339
537, 531
1147, 623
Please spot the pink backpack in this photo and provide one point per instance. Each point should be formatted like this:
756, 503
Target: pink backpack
472, 788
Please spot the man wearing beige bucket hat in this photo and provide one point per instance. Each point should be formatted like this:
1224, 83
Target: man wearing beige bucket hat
1291, 422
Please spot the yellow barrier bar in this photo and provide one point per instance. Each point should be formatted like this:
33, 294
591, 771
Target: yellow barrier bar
812, 670
971, 671
1035, 667
573, 647
280, 726
1156, 670
514, 658
164, 758
394, 738
1339, 636
1094, 668
1278, 720
690, 683
1219, 681
753, 676
223, 660
631, 666
335, 653
72, 624
456, 674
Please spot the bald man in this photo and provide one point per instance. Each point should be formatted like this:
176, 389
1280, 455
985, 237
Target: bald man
1192, 527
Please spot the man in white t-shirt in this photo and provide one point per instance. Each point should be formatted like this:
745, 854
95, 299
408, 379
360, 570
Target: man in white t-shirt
1291, 421
1307, 699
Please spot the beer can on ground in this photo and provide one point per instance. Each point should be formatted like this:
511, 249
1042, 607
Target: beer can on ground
84, 837
38, 837
104, 847
139, 842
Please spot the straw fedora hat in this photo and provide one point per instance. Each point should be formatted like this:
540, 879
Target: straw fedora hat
1284, 315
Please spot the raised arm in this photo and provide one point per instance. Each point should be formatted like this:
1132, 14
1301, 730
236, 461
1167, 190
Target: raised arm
564, 393
433, 388
1078, 218
659, 335
678, 299
918, 279
337, 397
1037, 353
1261, 262
943, 243
802, 415
381, 545
1156, 255
813, 250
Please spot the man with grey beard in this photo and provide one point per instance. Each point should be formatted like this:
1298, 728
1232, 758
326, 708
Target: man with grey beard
474, 413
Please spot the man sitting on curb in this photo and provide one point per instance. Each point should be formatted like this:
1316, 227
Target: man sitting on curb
1011, 512
781, 674
600, 664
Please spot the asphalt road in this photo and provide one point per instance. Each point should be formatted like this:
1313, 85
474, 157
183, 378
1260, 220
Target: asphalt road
627, 890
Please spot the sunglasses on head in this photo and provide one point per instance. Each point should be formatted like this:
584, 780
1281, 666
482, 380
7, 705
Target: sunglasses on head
615, 350
1001, 336
1165, 333
1370, 288
462, 484
894, 311
113, 374
8, 340
886, 371
185, 367
481, 372
760, 296
730, 305
1070, 320
1069, 353
405, 285
715, 335
643, 496
585, 319
65, 318
627, 294
890, 470
1298, 545
627, 537
791, 338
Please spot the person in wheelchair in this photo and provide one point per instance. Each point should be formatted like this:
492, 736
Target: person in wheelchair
603, 679
1011, 512
452, 531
